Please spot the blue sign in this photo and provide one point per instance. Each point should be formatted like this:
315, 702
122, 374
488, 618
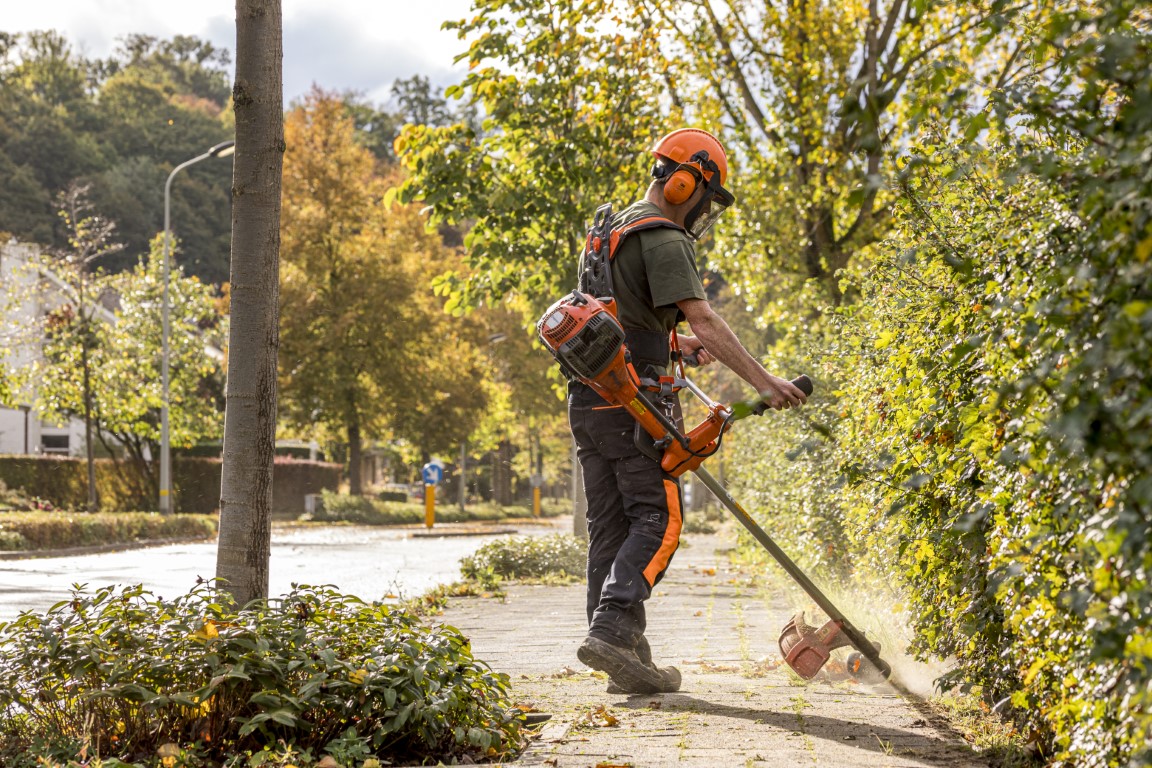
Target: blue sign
433, 473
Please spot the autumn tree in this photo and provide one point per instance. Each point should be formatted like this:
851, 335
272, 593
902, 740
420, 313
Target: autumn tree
366, 349
250, 419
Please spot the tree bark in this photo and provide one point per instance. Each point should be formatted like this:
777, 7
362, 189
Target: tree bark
355, 458
502, 474
250, 412
93, 501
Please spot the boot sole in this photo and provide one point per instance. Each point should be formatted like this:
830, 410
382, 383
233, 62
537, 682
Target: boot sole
624, 668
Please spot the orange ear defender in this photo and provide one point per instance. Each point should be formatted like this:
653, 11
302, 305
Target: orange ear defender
681, 185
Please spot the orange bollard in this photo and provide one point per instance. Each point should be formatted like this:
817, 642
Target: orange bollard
429, 505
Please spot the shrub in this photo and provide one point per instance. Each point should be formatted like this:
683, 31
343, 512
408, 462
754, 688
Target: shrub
362, 510
120, 673
527, 557
11, 541
54, 530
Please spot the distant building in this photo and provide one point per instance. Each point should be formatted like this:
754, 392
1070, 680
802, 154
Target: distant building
22, 429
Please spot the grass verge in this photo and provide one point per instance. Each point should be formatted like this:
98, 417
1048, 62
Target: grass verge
363, 510
32, 531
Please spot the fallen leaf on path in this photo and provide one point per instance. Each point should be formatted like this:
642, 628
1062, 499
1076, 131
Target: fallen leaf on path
708, 571
599, 717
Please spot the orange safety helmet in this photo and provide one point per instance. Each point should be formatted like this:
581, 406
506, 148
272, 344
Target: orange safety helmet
686, 159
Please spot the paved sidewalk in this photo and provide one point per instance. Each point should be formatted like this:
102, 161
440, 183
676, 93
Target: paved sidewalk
737, 707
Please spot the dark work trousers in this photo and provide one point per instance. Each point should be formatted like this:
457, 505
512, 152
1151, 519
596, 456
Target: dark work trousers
634, 517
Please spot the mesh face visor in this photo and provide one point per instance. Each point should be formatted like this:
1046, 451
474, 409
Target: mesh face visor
715, 201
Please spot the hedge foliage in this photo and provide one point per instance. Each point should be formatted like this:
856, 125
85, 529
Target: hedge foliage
61, 481
982, 431
21, 531
120, 674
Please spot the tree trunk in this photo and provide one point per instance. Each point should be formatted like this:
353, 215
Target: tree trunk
355, 458
502, 475
250, 412
93, 501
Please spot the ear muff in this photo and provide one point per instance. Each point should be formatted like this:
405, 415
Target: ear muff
681, 185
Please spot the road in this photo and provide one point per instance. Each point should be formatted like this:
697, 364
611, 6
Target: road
365, 561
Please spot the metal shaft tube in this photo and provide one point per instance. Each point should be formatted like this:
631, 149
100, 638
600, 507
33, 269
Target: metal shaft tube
847, 628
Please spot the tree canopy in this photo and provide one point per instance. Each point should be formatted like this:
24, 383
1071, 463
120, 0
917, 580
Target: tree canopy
366, 349
119, 124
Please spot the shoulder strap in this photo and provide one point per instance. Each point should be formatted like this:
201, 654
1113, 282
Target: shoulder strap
648, 222
602, 243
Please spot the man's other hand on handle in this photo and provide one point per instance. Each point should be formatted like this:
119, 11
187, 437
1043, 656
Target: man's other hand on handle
711, 332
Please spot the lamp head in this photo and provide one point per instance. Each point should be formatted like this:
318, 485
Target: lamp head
223, 149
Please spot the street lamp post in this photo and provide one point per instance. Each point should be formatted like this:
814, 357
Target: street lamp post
224, 149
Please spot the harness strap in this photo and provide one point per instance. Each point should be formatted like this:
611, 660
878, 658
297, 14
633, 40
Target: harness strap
648, 222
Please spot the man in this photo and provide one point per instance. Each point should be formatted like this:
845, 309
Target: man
634, 508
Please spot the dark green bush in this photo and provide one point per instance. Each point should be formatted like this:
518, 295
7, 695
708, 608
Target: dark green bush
11, 541
56, 530
119, 673
62, 482
528, 557
392, 496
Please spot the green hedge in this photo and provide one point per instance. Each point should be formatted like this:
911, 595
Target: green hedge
981, 428
22, 531
62, 481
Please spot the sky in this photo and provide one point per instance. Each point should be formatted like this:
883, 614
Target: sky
361, 45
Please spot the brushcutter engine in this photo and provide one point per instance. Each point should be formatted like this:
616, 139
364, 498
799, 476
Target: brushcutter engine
584, 336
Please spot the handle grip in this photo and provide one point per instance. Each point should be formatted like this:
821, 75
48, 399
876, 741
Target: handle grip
801, 382
745, 408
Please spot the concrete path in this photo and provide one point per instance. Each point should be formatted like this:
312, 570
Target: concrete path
738, 705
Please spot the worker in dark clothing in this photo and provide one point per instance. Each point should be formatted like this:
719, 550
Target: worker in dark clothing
634, 507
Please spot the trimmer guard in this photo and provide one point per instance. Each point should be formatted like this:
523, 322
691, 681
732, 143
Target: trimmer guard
806, 649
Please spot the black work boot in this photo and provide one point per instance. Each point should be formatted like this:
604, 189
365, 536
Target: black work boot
647, 678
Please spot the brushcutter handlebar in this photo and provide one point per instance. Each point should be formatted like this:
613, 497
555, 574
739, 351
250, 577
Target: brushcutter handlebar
745, 408
801, 382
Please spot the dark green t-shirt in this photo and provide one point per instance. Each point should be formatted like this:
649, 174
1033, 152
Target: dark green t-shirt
652, 270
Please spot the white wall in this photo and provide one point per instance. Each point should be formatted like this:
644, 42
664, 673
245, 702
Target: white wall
22, 432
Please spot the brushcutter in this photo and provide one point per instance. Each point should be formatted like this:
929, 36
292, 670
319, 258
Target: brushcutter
584, 335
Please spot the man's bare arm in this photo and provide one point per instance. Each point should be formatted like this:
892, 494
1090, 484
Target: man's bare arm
715, 335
